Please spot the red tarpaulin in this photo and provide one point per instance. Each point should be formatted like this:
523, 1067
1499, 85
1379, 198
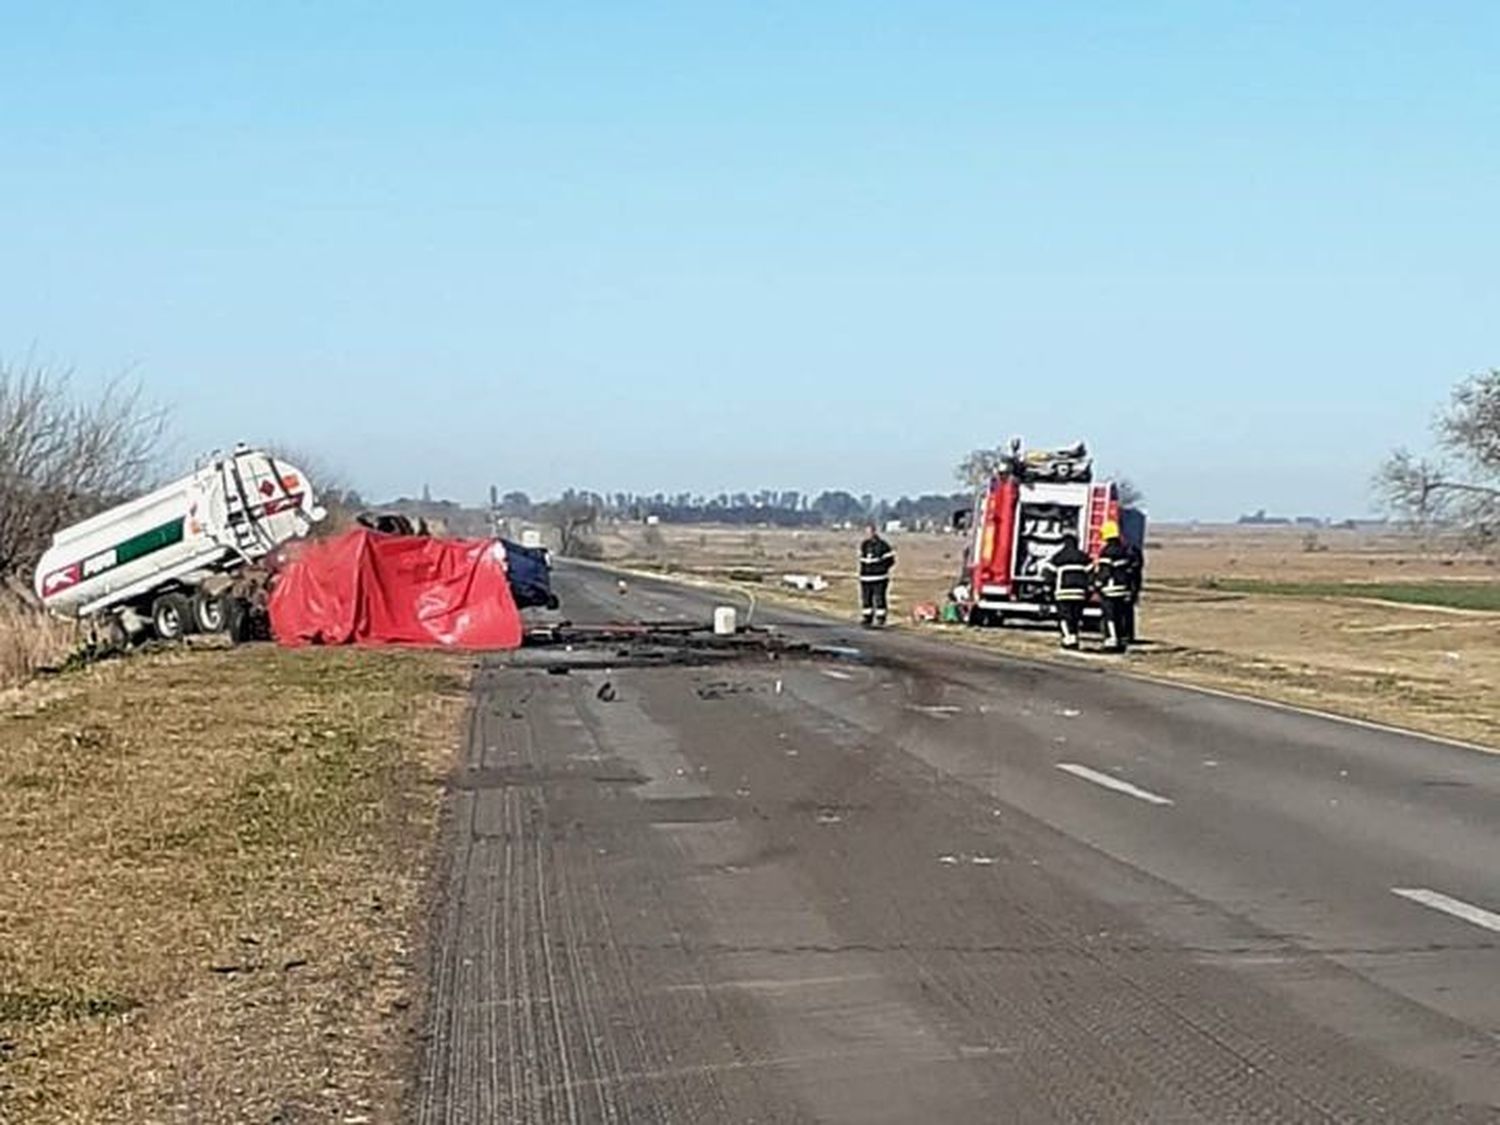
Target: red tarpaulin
366, 588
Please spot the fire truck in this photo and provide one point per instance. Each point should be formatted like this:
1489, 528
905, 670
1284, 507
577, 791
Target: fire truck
1019, 519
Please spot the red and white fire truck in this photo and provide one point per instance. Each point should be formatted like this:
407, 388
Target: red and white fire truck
1019, 520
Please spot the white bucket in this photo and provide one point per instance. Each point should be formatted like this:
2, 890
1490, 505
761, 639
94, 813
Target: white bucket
724, 623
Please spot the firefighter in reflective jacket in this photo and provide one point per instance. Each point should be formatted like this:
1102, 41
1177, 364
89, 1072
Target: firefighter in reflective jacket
875, 562
1069, 570
1115, 570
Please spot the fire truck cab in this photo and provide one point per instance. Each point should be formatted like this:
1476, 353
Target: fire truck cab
1019, 521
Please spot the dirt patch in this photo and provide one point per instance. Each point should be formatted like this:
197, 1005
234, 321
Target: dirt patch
212, 865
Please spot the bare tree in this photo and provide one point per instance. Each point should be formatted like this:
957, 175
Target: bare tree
978, 467
1461, 487
574, 522
1131, 495
64, 455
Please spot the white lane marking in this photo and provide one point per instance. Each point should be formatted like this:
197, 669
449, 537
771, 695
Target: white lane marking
1113, 783
1454, 906
835, 674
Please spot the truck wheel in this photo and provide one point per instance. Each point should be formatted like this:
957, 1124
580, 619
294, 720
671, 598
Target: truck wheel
237, 624
111, 637
171, 616
208, 612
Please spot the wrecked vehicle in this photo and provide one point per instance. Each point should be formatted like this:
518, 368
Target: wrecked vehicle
530, 572
178, 559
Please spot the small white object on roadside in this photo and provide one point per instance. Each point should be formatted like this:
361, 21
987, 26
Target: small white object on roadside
813, 582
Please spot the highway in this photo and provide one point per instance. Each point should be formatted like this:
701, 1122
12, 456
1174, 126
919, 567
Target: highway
921, 883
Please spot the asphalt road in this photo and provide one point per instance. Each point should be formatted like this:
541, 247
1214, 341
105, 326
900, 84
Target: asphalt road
934, 885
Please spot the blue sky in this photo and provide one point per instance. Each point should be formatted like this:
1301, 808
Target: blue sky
1244, 248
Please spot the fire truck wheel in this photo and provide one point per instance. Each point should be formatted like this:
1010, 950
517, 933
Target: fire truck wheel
171, 616
208, 612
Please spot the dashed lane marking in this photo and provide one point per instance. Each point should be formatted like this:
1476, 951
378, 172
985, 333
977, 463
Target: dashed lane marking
1455, 906
1114, 783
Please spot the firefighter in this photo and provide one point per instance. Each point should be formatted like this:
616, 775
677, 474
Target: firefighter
1115, 572
875, 562
1069, 570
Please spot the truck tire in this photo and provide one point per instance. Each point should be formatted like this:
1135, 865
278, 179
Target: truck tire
237, 623
208, 612
172, 616
111, 637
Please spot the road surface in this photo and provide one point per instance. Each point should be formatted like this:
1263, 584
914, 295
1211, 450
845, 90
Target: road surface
934, 885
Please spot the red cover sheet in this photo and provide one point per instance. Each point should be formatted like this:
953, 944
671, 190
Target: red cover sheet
370, 589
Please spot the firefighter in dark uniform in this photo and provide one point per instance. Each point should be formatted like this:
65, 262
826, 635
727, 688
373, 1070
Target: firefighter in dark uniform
1069, 569
1115, 570
875, 562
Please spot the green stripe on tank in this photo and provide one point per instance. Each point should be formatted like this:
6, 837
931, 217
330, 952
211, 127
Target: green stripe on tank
148, 541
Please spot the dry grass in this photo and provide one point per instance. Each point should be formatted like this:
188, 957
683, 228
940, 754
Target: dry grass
1282, 630
30, 640
212, 866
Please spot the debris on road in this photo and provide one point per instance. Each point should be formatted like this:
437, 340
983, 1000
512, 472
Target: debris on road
720, 689
664, 643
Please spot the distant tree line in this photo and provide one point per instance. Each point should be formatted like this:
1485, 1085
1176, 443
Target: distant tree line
783, 508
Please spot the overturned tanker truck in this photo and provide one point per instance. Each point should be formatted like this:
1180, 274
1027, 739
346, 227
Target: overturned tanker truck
183, 558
